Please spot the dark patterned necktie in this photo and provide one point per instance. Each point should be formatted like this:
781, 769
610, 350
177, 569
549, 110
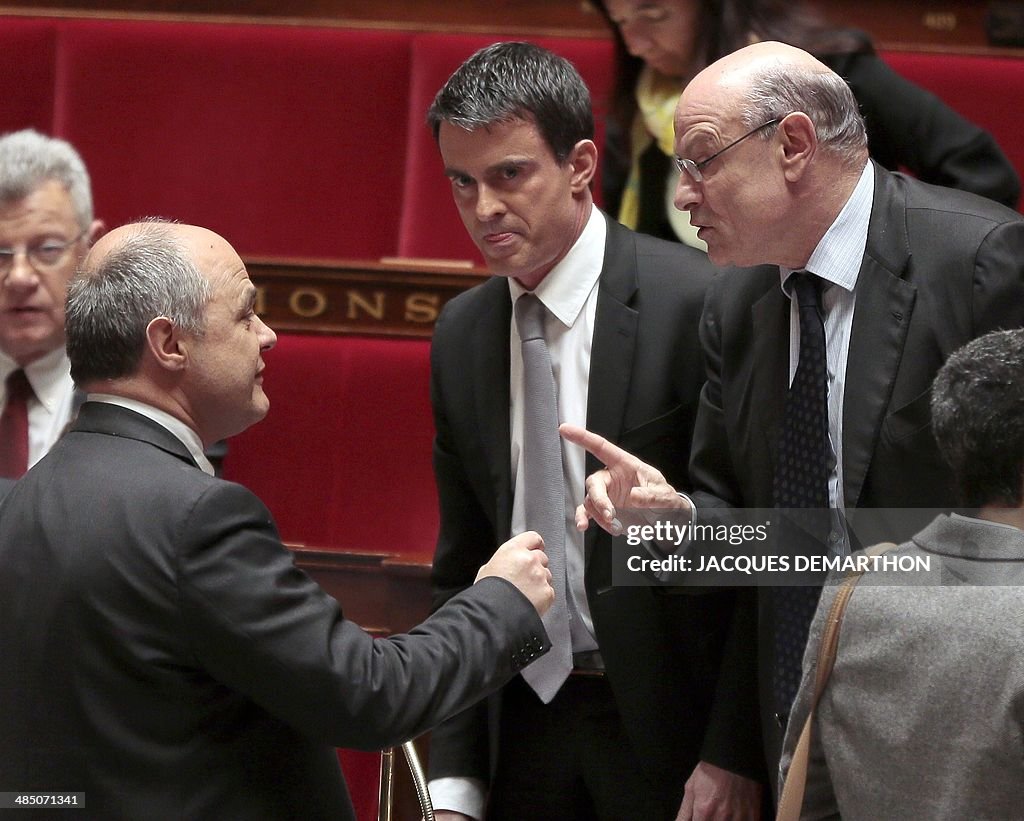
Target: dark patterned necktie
544, 490
14, 426
801, 486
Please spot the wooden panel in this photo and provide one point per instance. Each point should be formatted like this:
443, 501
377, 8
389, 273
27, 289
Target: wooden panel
553, 17
382, 593
400, 298
925, 24
893, 23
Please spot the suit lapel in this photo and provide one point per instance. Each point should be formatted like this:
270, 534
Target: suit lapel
614, 342
768, 380
885, 303
612, 350
490, 363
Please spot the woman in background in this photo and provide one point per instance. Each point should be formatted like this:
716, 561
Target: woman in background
661, 44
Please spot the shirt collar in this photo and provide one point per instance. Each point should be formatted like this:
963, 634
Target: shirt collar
837, 257
565, 289
49, 376
188, 437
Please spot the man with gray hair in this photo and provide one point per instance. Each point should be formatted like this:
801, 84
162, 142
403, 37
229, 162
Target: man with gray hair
163, 656
820, 360
46, 227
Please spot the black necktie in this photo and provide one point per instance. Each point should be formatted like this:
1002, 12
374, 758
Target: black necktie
801, 485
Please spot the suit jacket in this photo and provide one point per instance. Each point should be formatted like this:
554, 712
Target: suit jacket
926, 662
163, 654
662, 652
940, 268
5, 485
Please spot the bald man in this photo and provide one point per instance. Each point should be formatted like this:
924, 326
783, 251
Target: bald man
775, 174
163, 656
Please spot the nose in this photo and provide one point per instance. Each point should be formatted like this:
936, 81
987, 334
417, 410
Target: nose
689, 193
21, 273
265, 334
636, 42
488, 204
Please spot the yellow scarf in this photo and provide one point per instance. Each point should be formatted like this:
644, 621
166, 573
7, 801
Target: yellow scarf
656, 99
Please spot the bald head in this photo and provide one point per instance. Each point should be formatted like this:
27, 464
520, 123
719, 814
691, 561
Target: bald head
769, 80
202, 245
737, 70
131, 275
165, 314
776, 145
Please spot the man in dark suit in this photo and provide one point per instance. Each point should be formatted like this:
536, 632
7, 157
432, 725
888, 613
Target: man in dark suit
46, 228
162, 653
910, 272
640, 712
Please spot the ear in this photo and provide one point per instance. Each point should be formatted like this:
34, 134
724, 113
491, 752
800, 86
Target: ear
96, 230
799, 144
583, 162
165, 343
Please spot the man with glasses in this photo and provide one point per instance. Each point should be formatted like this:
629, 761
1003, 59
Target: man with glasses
46, 227
872, 276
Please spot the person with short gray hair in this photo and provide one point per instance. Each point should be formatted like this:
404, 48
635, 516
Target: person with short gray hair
28, 159
824, 96
842, 289
150, 274
163, 655
46, 227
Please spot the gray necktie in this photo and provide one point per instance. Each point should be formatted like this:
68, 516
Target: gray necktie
545, 490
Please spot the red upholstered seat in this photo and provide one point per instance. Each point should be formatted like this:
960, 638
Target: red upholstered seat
430, 225
28, 54
985, 90
362, 774
343, 460
286, 140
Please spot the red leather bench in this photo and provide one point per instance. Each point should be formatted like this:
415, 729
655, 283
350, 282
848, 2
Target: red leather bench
985, 90
343, 457
286, 140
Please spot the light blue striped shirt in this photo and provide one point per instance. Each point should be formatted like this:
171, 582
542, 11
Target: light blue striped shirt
837, 260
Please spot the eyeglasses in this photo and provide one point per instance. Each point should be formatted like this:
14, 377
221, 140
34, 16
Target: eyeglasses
694, 168
44, 256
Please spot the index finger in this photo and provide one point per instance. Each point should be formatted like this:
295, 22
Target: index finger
597, 445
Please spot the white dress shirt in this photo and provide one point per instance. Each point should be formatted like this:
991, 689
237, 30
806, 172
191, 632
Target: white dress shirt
569, 292
836, 260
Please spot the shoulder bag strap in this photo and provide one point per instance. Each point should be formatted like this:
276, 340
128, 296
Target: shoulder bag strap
792, 799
